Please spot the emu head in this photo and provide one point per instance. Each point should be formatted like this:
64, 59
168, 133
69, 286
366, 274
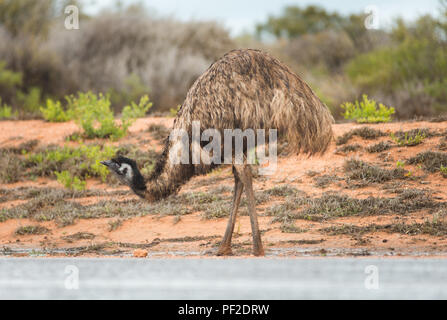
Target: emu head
127, 172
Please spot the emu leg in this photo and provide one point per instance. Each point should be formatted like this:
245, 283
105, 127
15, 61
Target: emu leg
246, 177
225, 245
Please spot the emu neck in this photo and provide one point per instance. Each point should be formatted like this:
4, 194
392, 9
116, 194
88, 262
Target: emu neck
166, 179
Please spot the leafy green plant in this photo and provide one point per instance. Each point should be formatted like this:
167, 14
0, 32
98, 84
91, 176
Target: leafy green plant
93, 114
83, 161
408, 139
173, 111
443, 171
366, 111
70, 182
9, 78
134, 111
93, 156
53, 112
6, 111
414, 60
31, 100
400, 164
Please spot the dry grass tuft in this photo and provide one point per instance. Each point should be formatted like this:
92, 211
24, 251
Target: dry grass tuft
360, 170
27, 230
379, 147
363, 132
430, 160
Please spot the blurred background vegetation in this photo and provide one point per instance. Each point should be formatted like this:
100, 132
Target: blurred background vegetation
127, 52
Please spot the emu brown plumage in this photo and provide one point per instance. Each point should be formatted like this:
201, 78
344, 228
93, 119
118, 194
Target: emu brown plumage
245, 89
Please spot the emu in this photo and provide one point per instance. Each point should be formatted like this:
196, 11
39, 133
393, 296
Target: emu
243, 89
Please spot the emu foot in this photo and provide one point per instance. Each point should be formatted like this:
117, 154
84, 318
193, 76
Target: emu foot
258, 252
224, 251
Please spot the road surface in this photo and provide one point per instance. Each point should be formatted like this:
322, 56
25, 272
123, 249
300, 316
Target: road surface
321, 278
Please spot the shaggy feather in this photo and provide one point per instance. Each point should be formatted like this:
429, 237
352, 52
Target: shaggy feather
242, 90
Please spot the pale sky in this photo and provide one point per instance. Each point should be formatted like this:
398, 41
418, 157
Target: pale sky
242, 15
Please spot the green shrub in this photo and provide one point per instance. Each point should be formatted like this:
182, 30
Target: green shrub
54, 112
400, 164
70, 182
415, 67
8, 78
89, 110
9, 81
409, 140
443, 171
431, 161
6, 111
93, 114
83, 161
366, 111
30, 101
93, 156
133, 111
173, 111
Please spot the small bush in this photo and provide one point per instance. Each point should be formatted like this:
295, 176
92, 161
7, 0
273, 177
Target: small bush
216, 211
31, 100
281, 191
348, 148
325, 180
430, 228
93, 114
133, 111
8, 78
408, 139
9, 82
443, 170
291, 228
363, 132
366, 111
54, 112
430, 160
332, 205
70, 182
6, 111
173, 111
26, 230
360, 170
442, 144
11, 167
400, 164
83, 161
79, 236
378, 147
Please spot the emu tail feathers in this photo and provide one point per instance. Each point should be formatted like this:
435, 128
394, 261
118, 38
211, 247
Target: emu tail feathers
305, 123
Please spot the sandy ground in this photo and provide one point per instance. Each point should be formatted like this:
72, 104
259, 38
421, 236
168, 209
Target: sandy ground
192, 235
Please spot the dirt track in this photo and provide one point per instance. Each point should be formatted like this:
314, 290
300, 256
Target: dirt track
327, 228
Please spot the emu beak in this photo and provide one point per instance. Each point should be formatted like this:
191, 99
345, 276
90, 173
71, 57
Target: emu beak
107, 163
112, 165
